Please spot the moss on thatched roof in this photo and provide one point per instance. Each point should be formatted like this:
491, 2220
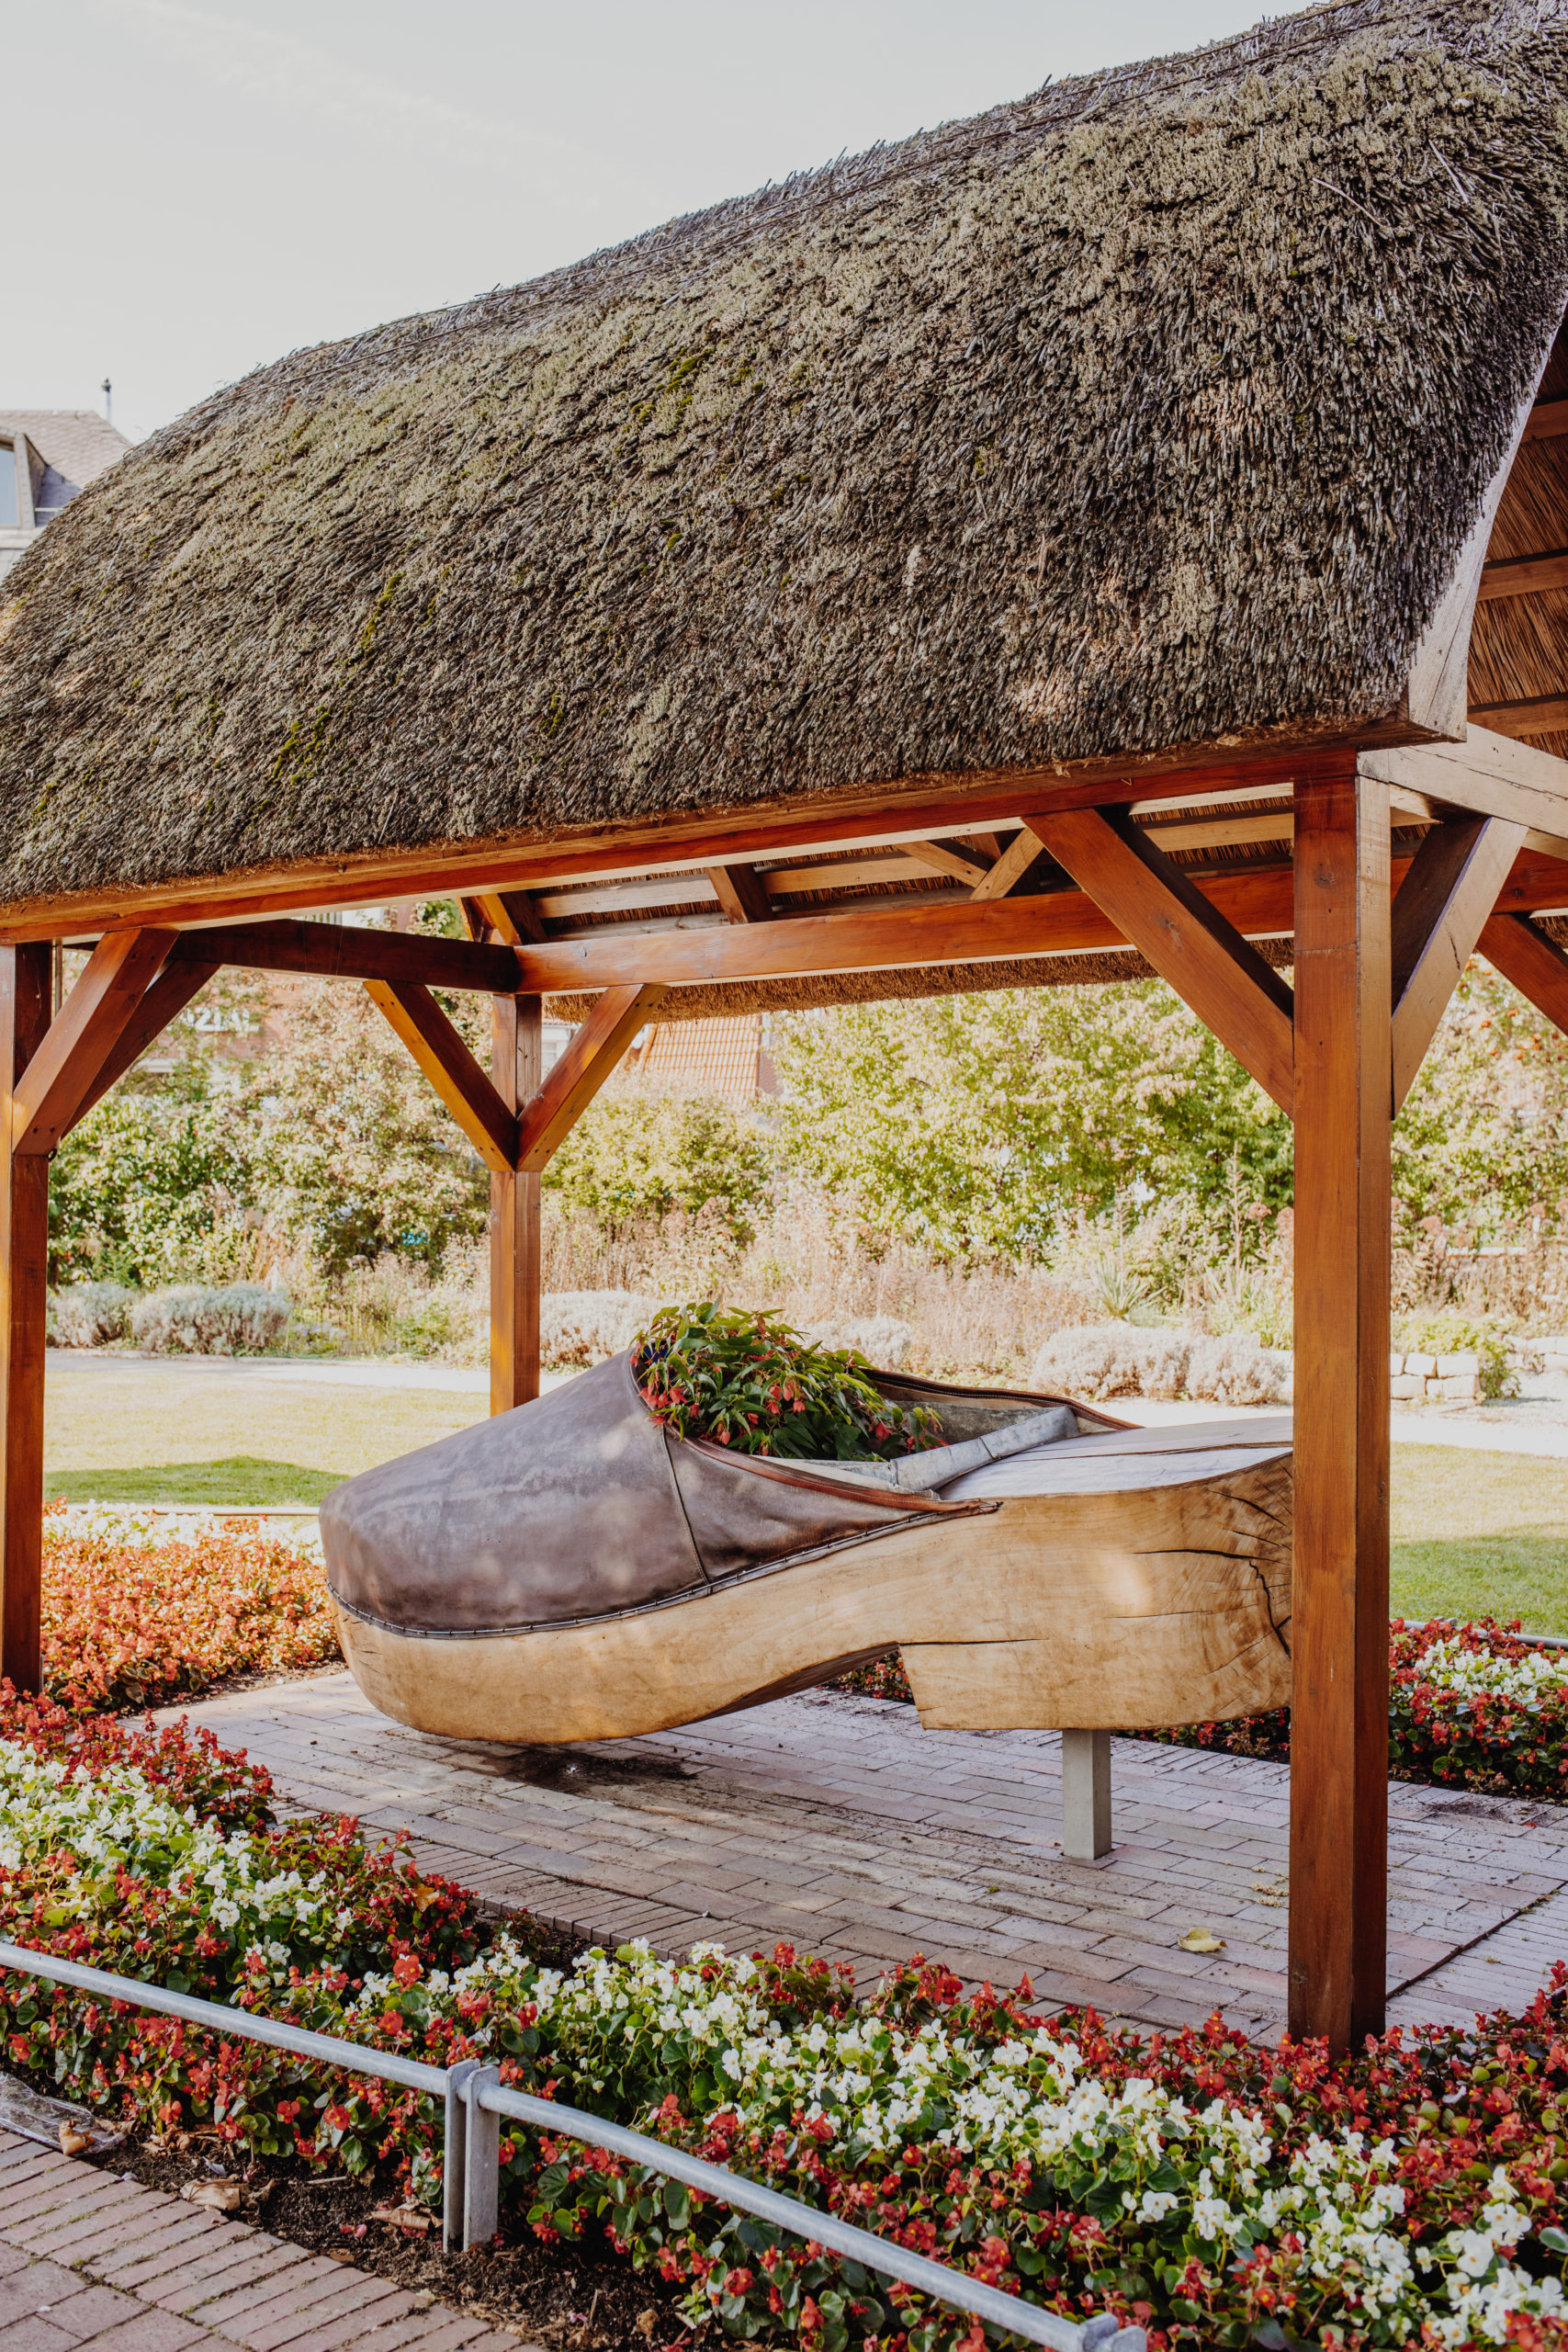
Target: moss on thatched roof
1149, 412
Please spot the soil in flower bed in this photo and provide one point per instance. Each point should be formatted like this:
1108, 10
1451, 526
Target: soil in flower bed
570, 2299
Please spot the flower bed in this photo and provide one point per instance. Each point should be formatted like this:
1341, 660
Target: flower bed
1470, 1707
140, 1609
1223, 2193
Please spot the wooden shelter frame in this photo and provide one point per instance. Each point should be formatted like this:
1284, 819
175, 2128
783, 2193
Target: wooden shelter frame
1380, 941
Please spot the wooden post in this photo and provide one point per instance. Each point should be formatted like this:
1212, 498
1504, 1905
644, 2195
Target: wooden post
26, 993
1340, 1641
517, 1067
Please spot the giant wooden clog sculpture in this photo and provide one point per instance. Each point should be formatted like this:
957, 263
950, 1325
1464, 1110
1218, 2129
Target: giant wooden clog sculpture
573, 1571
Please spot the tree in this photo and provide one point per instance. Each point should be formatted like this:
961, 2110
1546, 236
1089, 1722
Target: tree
990, 1123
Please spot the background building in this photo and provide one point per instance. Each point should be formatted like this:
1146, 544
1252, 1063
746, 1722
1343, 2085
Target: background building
48, 456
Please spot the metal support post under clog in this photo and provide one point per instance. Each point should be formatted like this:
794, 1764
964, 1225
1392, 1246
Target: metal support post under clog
1085, 1794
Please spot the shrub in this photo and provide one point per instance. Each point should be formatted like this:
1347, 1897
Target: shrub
425, 1329
1118, 1360
189, 1322
89, 1315
586, 1326
1452, 1335
637, 1153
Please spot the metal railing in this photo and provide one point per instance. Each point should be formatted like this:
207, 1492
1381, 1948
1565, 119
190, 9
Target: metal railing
475, 2102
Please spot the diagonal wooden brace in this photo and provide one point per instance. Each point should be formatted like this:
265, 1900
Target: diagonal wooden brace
594, 1049
462, 1086
1440, 911
1205, 959
1536, 965
63, 1077
163, 1002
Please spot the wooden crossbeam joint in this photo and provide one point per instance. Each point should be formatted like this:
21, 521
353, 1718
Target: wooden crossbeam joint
1188, 942
1440, 914
592, 1053
465, 1087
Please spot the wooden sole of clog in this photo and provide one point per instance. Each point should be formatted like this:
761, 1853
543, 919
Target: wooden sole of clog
1130, 1607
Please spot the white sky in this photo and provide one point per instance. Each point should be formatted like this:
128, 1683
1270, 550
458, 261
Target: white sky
192, 187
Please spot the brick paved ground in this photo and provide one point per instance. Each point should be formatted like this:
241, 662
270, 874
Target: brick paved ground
92, 2263
839, 1824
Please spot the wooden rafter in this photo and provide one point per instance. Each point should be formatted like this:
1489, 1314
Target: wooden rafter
1206, 959
59, 1081
507, 916
946, 857
1536, 715
1548, 420
741, 892
451, 1068
1536, 965
592, 1053
1440, 910
1524, 575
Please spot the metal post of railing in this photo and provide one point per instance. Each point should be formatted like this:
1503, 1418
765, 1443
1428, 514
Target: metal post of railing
481, 2159
475, 2099
454, 2153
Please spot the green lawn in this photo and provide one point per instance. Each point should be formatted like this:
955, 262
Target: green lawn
238, 1477
128, 1432
1480, 1533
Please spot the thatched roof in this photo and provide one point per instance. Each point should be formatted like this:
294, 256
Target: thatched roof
1150, 411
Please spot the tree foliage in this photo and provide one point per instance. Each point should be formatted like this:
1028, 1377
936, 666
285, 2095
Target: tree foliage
634, 1153
990, 1123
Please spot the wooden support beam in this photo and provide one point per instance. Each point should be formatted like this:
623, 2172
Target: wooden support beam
1339, 1634
590, 1055
1536, 965
1224, 832
741, 892
446, 1060
24, 993
517, 1069
1548, 420
330, 951
1538, 715
1206, 960
60, 1076
163, 1002
1439, 912
1524, 575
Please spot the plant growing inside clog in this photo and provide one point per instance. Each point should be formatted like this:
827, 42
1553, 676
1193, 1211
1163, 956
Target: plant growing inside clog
751, 1382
